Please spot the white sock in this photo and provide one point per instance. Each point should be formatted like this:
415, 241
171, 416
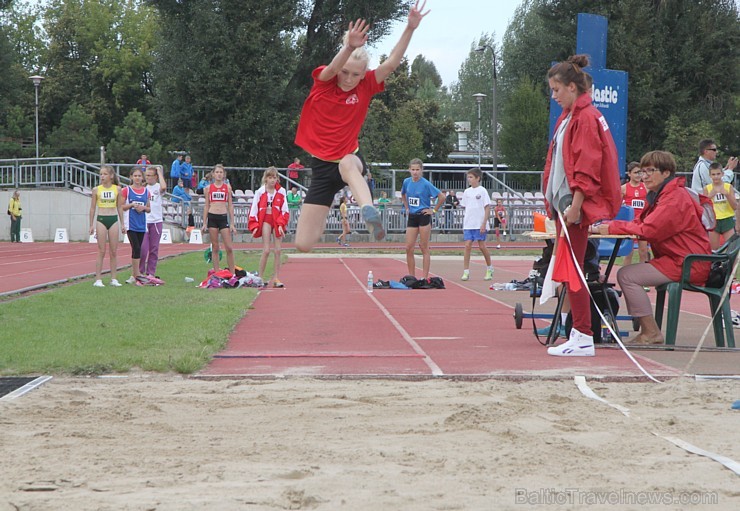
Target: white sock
563, 317
466, 271
490, 267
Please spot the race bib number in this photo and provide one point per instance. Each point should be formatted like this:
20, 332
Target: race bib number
638, 203
720, 197
414, 202
107, 195
218, 196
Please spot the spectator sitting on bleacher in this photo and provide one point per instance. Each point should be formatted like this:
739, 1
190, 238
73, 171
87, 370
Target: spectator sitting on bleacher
179, 193
203, 183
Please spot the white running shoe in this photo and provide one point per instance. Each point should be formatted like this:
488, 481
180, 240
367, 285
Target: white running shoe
115, 283
489, 274
131, 280
465, 276
578, 345
98, 283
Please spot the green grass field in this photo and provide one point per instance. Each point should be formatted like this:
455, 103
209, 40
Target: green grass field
78, 329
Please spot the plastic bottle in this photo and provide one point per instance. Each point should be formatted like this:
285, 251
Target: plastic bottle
370, 282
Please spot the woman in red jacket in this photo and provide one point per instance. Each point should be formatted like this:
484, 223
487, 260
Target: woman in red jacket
268, 216
671, 223
582, 170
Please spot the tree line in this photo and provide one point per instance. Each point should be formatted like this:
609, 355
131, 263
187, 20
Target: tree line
225, 79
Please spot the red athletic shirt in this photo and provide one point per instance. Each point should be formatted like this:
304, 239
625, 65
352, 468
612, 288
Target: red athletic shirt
218, 193
635, 196
331, 119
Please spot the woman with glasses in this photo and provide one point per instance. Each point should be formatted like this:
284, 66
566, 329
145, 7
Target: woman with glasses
671, 223
581, 183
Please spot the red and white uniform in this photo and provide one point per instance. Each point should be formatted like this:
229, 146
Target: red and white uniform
271, 208
635, 196
218, 193
331, 118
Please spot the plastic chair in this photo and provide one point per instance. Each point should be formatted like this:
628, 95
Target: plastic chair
606, 245
722, 322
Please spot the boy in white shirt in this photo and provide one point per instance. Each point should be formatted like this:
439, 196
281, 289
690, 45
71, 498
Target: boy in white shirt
477, 206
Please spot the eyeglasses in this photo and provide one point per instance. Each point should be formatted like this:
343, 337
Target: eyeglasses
648, 171
638, 171
711, 149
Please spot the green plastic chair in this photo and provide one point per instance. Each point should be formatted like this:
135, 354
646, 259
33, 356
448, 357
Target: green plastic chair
722, 322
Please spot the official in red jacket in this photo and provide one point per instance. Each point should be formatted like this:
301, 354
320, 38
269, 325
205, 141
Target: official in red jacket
581, 168
268, 217
671, 223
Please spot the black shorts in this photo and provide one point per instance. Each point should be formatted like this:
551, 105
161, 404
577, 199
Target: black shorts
418, 220
218, 221
326, 181
136, 238
497, 222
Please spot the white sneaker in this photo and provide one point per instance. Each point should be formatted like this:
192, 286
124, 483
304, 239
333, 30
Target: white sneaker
131, 280
578, 345
98, 283
115, 283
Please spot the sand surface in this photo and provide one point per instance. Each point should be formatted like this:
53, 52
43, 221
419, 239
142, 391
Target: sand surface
153, 442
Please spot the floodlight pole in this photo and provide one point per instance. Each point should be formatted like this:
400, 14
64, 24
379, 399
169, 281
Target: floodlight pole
494, 121
479, 99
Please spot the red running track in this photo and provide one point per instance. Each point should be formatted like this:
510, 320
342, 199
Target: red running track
326, 324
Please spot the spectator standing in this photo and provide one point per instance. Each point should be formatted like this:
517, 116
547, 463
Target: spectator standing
16, 212
725, 204
156, 186
143, 162
581, 183
477, 204
450, 205
342, 238
707, 155
268, 218
416, 193
500, 217
175, 170
186, 173
293, 169
383, 200
330, 123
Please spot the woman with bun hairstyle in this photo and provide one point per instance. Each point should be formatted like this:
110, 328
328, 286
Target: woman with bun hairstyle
581, 181
268, 218
219, 215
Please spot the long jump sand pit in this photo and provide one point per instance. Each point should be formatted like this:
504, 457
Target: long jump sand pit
168, 443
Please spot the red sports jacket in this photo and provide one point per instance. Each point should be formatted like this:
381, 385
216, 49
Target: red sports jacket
280, 212
590, 159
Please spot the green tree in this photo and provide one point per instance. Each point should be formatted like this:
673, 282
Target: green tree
76, 136
133, 138
406, 138
524, 120
100, 56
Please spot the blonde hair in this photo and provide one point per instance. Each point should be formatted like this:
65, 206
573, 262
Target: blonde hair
360, 53
270, 171
219, 166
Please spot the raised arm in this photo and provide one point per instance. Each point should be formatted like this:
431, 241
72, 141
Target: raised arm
394, 59
356, 38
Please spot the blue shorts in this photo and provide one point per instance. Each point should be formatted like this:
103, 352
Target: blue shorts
474, 235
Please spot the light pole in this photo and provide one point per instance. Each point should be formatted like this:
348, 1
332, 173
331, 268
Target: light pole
494, 122
37, 83
479, 99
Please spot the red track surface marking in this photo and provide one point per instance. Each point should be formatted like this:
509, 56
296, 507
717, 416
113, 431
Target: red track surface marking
325, 312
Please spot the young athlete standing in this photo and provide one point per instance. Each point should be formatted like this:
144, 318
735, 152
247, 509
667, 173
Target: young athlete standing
218, 210
135, 200
268, 218
634, 194
156, 186
499, 220
725, 204
108, 224
477, 206
342, 238
330, 124
416, 193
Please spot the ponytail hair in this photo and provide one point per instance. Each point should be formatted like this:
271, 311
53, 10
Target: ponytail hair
571, 71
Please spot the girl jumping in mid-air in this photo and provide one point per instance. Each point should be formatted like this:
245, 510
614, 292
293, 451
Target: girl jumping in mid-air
268, 217
331, 121
108, 224
218, 210
135, 200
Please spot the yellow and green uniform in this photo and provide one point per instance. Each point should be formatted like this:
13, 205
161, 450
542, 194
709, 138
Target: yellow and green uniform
722, 209
14, 207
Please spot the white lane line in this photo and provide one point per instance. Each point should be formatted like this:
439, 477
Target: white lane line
436, 370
